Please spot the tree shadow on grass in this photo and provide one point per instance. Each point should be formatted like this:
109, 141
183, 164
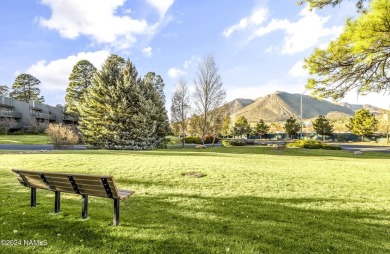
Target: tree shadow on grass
257, 225
173, 223
229, 151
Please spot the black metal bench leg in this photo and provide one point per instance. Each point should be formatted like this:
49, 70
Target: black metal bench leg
84, 212
57, 202
33, 196
116, 212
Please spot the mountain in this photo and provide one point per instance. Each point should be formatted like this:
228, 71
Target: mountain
238, 104
355, 107
281, 105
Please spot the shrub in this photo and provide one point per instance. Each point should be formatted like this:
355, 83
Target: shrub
62, 136
196, 140
312, 144
6, 124
232, 142
36, 127
330, 147
193, 140
209, 139
340, 138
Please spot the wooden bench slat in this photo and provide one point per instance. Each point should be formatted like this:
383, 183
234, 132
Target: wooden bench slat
86, 184
37, 184
63, 188
21, 181
66, 181
124, 194
79, 176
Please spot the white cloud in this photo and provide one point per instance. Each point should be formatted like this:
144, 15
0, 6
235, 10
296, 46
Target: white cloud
297, 71
148, 51
257, 18
54, 75
161, 5
175, 72
308, 31
99, 20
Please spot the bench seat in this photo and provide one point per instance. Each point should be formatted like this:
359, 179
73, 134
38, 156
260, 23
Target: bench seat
81, 184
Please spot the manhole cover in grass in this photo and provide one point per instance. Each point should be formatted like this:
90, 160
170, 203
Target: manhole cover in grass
194, 174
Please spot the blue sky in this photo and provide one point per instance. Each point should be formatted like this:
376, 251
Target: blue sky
258, 45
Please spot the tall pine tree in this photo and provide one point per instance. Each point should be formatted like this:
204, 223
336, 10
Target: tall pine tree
93, 109
121, 110
25, 88
79, 81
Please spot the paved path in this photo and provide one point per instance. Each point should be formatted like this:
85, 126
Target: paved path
35, 147
350, 146
363, 148
344, 146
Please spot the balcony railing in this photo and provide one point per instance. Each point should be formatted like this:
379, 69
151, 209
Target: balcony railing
11, 114
6, 102
68, 118
44, 116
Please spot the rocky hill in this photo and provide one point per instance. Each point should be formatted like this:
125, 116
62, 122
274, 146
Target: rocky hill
372, 109
281, 105
238, 104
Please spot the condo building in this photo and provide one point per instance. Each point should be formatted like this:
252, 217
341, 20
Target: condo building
23, 112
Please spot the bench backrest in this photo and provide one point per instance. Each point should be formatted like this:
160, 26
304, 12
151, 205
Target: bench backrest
94, 185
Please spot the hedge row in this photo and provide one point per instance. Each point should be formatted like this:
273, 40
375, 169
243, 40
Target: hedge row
197, 140
312, 144
237, 142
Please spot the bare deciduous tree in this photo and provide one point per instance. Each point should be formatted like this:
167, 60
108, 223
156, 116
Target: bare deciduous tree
6, 124
180, 108
35, 126
209, 94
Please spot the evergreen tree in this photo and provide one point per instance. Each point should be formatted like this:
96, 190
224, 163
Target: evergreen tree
4, 90
157, 82
154, 88
358, 59
241, 127
323, 126
322, 3
93, 109
122, 111
363, 123
291, 126
261, 128
79, 80
25, 88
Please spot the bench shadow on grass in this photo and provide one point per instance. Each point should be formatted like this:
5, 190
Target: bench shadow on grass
173, 223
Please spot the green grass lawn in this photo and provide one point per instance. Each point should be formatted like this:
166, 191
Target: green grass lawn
252, 200
25, 139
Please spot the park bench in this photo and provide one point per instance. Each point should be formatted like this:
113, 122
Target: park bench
84, 185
